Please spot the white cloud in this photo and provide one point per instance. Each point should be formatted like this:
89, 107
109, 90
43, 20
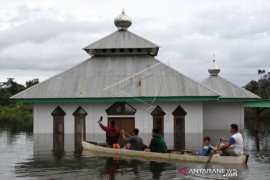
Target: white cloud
47, 36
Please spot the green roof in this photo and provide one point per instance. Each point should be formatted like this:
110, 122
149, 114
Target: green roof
137, 99
115, 99
262, 104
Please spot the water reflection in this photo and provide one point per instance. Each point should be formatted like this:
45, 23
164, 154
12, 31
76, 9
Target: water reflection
157, 168
111, 167
46, 159
257, 141
106, 167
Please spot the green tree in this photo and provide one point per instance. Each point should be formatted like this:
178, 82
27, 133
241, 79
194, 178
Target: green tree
31, 82
260, 87
8, 89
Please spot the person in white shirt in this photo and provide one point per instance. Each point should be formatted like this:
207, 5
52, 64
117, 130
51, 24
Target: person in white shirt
234, 146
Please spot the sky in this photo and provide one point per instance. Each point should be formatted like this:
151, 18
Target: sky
39, 39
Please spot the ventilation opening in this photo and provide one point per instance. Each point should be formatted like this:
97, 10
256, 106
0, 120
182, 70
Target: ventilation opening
121, 108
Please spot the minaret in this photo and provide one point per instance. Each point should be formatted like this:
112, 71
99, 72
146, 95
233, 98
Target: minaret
214, 70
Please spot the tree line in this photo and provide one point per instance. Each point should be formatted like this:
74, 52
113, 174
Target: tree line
15, 116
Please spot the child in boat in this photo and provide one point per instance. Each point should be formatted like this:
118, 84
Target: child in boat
207, 147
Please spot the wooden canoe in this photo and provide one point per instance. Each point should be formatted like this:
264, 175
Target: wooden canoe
173, 156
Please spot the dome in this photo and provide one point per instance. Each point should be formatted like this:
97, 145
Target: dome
122, 22
214, 70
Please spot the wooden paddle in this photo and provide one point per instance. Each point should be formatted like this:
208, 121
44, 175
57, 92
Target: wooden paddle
213, 153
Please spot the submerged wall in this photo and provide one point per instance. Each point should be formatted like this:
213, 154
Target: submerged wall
43, 120
221, 115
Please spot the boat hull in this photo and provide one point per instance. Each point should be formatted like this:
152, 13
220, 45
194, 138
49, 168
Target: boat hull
166, 156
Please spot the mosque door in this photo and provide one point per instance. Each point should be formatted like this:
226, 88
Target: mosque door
124, 123
179, 128
127, 123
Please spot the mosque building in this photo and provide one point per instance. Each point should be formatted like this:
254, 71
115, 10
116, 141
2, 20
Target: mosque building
123, 81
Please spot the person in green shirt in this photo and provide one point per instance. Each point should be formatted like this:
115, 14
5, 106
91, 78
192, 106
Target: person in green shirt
157, 143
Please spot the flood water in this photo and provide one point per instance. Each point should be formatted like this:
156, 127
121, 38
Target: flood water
24, 156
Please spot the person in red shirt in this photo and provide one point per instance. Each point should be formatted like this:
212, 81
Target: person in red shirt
112, 132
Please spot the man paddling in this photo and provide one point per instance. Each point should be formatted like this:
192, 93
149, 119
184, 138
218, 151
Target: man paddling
112, 132
234, 146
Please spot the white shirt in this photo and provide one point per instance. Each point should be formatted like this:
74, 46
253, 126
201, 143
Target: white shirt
237, 143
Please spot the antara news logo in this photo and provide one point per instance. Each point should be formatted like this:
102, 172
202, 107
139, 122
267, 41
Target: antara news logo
186, 171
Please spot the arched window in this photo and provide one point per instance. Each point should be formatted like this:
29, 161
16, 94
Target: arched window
58, 120
79, 123
179, 127
121, 108
58, 131
158, 119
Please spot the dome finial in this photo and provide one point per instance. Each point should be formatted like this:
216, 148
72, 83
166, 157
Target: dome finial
214, 70
122, 22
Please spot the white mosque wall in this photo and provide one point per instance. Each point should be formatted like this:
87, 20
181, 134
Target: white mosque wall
219, 116
43, 120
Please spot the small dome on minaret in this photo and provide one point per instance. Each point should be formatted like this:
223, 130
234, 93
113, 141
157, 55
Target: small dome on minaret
122, 22
214, 70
